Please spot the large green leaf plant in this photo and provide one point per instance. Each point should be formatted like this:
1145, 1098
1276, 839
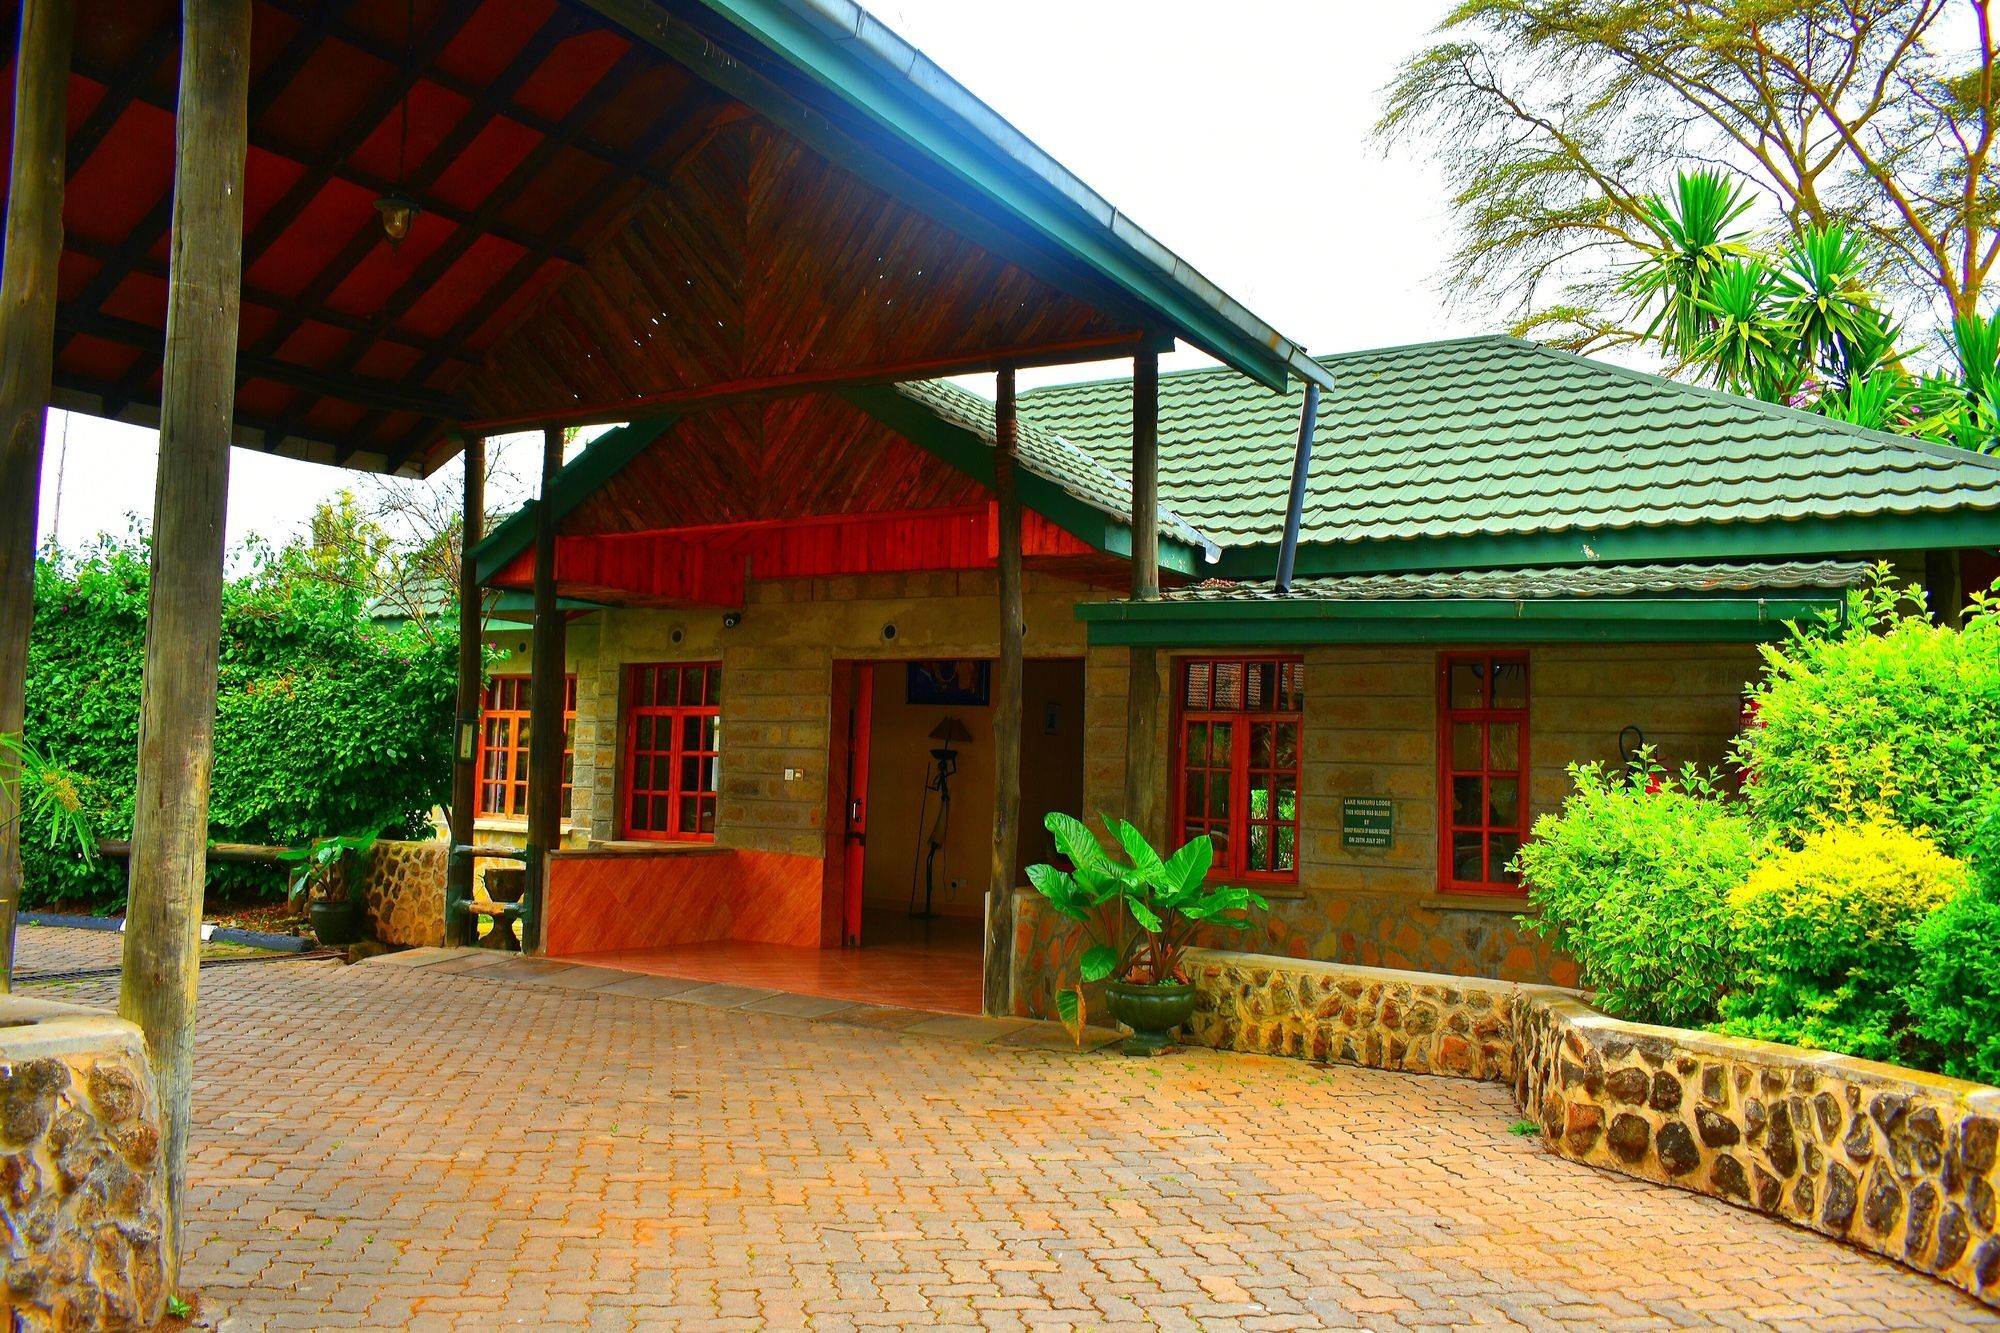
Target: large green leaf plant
1139, 914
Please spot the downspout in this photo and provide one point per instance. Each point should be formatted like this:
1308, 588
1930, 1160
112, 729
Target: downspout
1288, 551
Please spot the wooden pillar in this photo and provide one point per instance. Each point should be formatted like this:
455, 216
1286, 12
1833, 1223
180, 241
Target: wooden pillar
458, 923
27, 355
546, 691
1142, 697
183, 625
1006, 710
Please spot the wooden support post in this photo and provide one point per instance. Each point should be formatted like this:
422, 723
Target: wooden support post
1006, 710
459, 926
1142, 697
183, 626
546, 690
27, 355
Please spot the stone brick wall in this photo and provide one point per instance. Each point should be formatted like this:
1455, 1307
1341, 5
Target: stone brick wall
83, 1184
1896, 1161
402, 892
1417, 1022
1888, 1159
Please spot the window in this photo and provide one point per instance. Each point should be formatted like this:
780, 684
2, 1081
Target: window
673, 738
503, 747
1483, 768
1236, 775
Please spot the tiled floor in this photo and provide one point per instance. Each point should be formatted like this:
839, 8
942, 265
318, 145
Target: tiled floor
933, 965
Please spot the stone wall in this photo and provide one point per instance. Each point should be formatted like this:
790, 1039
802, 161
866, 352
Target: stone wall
82, 1180
1416, 1022
1888, 1159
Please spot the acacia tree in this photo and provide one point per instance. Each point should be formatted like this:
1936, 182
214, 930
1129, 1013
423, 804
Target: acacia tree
1552, 119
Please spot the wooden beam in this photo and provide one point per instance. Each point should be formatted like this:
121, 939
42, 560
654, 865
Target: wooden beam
458, 925
27, 359
812, 381
349, 387
122, 89
546, 687
162, 961
999, 997
1142, 693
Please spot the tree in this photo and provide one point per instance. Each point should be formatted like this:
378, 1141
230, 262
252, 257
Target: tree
1551, 117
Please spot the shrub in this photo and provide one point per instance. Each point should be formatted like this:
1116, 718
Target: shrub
1885, 713
326, 723
1826, 929
1955, 999
1632, 878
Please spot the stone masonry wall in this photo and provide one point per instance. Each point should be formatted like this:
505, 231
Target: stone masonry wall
402, 892
83, 1184
1891, 1160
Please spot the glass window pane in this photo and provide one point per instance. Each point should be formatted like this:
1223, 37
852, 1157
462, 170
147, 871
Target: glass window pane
713, 686
1194, 799
1219, 835
1262, 687
1503, 802
1468, 684
1197, 744
1501, 848
1221, 744
1465, 745
708, 816
708, 775
1510, 684
1260, 744
657, 814
1288, 799
690, 814
1228, 686
1260, 847
691, 775
1260, 796
711, 733
1505, 740
1294, 697
1465, 804
1195, 692
690, 733
1288, 854
1288, 745
1218, 797
691, 680
1467, 856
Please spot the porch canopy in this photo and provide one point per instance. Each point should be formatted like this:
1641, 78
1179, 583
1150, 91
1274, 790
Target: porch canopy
623, 207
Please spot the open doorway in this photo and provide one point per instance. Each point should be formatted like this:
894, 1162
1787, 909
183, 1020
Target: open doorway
916, 803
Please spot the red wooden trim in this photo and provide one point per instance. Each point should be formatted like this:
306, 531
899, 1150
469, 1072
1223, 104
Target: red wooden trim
675, 752
1485, 715
1107, 346
515, 750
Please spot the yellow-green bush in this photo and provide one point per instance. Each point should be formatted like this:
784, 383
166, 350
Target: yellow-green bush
1826, 932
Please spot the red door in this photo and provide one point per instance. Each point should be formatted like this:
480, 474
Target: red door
860, 717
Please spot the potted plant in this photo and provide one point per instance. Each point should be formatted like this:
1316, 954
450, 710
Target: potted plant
1139, 916
325, 878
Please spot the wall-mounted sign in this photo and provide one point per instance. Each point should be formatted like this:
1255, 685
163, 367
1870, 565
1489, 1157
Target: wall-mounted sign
1367, 821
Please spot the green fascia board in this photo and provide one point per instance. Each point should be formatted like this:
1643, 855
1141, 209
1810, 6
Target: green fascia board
1788, 539
1452, 620
601, 460
971, 455
1104, 246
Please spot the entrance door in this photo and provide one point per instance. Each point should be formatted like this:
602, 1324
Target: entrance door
860, 721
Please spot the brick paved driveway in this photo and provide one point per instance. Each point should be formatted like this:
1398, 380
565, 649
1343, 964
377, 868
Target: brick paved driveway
385, 1147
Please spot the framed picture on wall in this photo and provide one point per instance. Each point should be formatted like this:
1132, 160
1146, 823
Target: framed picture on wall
951, 682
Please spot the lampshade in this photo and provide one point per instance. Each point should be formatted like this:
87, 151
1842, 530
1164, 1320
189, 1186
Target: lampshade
397, 209
951, 732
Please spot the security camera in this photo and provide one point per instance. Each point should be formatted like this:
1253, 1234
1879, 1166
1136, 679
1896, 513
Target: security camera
731, 619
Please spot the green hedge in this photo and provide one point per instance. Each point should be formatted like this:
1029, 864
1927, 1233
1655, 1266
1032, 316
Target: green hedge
325, 722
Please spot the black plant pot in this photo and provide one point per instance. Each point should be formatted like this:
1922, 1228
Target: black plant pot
335, 923
1152, 1012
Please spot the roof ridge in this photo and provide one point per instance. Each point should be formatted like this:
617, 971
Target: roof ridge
1190, 372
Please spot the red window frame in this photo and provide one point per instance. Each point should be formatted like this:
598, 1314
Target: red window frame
1481, 836
673, 748
503, 747
1207, 761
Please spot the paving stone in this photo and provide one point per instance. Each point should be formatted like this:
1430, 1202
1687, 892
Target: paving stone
718, 995
883, 1017
651, 988
447, 1153
580, 978
800, 1006
965, 1027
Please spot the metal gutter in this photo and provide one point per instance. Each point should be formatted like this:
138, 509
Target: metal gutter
1295, 506
818, 36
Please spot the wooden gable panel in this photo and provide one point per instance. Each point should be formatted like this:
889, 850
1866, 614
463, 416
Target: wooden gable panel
791, 458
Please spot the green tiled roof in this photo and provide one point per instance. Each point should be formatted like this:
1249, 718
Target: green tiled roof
1048, 455
1496, 437
1511, 585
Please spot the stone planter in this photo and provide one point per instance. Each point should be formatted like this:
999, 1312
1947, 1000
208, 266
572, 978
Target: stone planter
85, 1181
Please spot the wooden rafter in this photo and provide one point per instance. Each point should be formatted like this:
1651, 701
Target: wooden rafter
123, 89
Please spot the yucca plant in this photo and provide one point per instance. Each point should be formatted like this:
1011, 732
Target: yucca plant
1745, 348
36, 792
1822, 297
1696, 240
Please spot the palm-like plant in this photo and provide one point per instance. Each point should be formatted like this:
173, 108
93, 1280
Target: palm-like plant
1822, 295
1166, 899
37, 791
1746, 346
1695, 242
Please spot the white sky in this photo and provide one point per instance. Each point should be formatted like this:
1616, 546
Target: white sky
1237, 134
